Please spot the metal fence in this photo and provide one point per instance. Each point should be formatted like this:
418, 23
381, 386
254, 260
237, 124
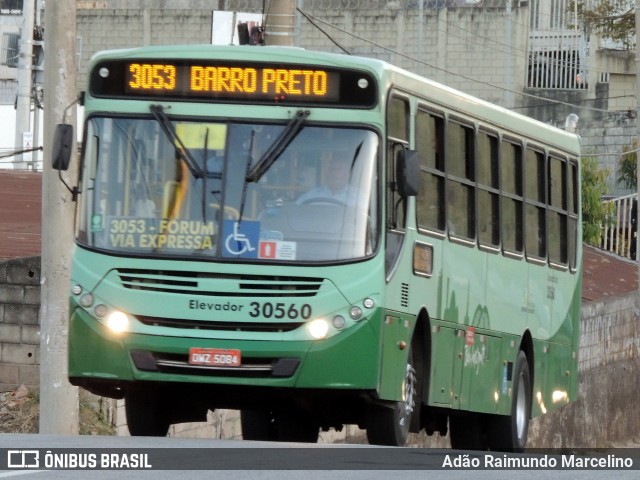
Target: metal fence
619, 235
558, 47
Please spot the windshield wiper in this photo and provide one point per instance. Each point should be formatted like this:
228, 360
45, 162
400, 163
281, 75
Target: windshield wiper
277, 147
167, 127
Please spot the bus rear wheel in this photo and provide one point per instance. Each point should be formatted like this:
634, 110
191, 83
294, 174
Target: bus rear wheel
509, 433
146, 414
389, 424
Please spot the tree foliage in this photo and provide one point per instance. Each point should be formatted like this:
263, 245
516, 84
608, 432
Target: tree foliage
613, 19
595, 213
627, 165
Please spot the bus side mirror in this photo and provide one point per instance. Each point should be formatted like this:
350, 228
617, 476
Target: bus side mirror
62, 144
408, 173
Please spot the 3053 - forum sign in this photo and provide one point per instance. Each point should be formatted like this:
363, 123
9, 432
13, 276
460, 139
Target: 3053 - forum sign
11, 7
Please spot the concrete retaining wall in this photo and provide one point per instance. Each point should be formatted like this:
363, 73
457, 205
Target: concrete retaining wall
19, 323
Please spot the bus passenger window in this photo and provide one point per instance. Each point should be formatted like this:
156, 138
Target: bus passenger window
459, 153
398, 114
430, 201
557, 213
488, 190
511, 198
535, 222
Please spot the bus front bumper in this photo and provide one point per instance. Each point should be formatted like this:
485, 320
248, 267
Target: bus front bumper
106, 363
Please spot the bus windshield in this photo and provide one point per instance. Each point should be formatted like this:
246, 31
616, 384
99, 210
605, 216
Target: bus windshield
185, 188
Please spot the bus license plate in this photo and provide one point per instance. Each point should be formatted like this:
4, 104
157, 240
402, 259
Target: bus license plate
214, 357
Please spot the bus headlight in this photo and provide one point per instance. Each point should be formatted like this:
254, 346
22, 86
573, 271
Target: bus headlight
118, 322
318, 328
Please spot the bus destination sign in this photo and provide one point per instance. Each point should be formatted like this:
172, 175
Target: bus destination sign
233, 82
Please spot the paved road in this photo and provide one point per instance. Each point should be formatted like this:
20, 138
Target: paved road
235, 460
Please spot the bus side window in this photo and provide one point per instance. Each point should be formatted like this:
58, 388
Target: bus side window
573, 203
535, 204
511, 197
488, 190
398, 138
558, 237
430, 202
459, 151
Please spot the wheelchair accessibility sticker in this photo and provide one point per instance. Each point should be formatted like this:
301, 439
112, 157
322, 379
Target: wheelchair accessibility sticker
241, 239
244, 240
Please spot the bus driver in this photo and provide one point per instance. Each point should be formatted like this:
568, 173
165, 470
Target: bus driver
336, 186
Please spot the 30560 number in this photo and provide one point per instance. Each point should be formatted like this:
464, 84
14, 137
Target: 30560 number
280, 310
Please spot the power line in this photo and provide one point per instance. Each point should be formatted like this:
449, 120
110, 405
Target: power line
20, 152
321, 30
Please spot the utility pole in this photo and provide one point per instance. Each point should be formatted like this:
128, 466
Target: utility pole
279, 26
58, 399
24, 74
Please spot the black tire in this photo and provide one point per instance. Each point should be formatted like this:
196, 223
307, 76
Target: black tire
146, 414
508, 433
467, 431
278, 426
388, 424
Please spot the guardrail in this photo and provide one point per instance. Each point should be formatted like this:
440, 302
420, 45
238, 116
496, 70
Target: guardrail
619, 235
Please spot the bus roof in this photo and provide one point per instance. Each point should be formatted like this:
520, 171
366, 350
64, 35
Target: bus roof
437, 94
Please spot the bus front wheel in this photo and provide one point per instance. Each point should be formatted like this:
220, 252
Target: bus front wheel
389, 424
146, 414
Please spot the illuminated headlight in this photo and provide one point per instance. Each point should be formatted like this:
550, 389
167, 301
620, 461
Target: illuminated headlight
76, 289
318, 328
118, 322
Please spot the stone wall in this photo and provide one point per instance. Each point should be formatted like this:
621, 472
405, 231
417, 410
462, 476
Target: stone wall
606, 140
19, 324
109, 29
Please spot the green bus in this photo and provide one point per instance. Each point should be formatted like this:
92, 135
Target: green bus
319, 240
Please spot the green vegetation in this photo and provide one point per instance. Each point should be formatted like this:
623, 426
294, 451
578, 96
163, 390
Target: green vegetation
613, 19
595, 213
627, 165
